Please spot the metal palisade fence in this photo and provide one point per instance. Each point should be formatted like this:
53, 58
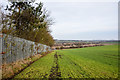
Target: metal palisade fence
13, 49
0, 48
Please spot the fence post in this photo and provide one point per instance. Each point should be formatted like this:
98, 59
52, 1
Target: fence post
0, 56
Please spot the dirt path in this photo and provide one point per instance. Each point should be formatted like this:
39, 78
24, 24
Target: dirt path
54, 70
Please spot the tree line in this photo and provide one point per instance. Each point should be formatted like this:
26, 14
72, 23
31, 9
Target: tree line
28, 20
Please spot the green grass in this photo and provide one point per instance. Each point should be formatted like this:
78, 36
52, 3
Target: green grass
91, 62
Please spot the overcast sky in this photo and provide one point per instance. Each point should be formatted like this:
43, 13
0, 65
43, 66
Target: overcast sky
83, 19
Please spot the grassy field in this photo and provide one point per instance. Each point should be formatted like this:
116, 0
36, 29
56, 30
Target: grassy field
91, 62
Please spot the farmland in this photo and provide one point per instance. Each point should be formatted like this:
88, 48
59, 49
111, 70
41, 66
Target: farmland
90, 62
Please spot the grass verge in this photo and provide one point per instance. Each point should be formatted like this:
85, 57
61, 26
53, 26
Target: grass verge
12, 69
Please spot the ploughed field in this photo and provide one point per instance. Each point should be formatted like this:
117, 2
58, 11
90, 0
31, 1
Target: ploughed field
90, 62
